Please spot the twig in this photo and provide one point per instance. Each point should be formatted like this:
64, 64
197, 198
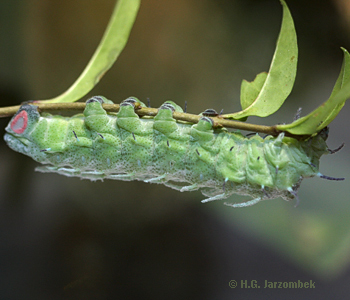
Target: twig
146, 111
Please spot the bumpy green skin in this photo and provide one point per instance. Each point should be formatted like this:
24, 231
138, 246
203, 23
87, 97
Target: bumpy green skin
98, 145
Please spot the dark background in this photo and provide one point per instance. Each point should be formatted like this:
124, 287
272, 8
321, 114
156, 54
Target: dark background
66, 238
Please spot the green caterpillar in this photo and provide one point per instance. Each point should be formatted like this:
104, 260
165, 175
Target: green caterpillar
183, 156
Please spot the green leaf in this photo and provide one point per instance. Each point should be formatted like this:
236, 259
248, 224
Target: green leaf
111, 45
344, 77
251, 90
280, 79
320, 117
324, 114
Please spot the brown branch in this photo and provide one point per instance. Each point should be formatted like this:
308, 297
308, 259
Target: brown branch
146, 111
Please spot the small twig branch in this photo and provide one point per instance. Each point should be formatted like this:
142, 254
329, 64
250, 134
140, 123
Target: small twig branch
146, 111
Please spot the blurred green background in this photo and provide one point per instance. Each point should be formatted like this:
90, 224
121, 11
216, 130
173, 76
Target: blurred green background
75, 239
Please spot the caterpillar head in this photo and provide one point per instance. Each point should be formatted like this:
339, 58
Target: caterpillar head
18, 130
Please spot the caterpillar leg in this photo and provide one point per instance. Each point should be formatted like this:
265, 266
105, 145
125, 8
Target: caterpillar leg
189, 188
217, 197
158, 179
243, 204
69, 172
173, 186
93, 173
123, 177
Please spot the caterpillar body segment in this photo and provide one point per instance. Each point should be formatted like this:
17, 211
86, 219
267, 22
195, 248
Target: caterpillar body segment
122, 146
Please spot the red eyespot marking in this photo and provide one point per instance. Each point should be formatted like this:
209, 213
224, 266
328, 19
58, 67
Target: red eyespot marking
19, 123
